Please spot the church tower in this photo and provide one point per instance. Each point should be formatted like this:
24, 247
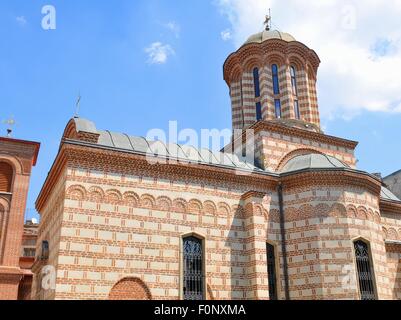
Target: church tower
272, 77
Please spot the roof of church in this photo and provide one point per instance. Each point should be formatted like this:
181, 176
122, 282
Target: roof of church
312, 161
269, 34
124, 142
386, 194
189, 154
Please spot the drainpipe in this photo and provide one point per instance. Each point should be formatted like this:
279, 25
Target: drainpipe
283, 241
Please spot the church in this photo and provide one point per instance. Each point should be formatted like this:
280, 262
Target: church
293, 219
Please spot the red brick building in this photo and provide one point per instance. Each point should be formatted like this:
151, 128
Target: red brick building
127, 218
17, 157
27, 258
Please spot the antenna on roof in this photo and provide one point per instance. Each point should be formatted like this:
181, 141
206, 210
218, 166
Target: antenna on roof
268, 21
77, 106
10, 122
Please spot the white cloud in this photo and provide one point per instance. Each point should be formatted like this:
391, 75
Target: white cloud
21, 20
359, 44
226, 34
158, 53
174, 27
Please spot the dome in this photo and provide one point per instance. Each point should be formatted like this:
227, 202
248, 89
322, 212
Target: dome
312, 161
269, 34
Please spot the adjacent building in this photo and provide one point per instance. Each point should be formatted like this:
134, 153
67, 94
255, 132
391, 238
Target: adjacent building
17, 157
123, 217
27, 258
393, 182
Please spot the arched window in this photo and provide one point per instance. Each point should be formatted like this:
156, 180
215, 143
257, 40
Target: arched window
276, 83
193, 286
296, 109
294, 81
6, 177
365, 272
293, 73
256, 82
277, 105
276, 90
271, 271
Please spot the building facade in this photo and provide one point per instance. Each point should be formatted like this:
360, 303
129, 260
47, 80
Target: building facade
127, 218
27, 258
393, 182
17, 157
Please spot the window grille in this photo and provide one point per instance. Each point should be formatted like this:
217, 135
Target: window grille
193, 269
271, 271
365, 274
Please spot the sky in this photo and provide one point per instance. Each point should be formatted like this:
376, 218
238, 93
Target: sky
140, 64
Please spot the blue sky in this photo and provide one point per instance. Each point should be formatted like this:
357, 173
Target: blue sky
102, 49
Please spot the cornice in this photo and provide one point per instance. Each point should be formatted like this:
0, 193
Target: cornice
332, 176
84, 153
35, 145
390, 206
52, 178
275, 127
267, 47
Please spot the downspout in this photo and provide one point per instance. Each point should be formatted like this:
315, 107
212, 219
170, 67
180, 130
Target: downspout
283, 241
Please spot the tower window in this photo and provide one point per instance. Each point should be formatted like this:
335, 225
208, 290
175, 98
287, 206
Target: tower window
271, 271
296, 109
193, 269
294, 81
257, 94
277, 104
256, 82
6, 177
258, 111
365, 274
276, 83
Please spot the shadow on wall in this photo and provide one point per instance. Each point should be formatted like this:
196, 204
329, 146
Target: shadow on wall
237, 227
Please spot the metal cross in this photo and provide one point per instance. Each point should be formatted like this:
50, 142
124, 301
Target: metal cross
268, 21
10, 123
78, 105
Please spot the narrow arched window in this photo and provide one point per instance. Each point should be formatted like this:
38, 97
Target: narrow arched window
193, 286
365, 271
296, 109
276, 83
6, 177
294, 81
277, 106
271, 271
293, 73
256, 82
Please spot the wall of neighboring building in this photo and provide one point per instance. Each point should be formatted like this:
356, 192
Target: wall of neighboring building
16, 161
394, 183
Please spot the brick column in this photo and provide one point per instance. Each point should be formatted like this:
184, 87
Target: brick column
255, 227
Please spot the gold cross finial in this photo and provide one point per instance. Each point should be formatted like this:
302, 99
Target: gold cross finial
268, 21
10, 123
